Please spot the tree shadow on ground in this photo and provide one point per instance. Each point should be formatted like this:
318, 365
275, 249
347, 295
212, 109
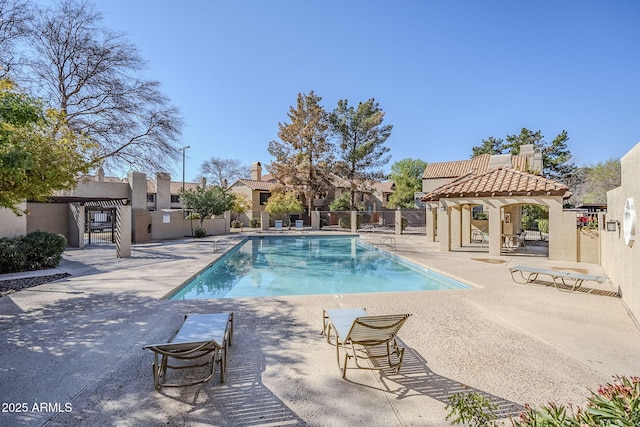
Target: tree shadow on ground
88, 351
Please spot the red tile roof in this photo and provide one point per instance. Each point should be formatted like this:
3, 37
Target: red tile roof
475, 165
385, 186
498, 183
257, 185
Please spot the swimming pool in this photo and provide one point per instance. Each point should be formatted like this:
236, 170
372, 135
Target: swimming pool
308, 265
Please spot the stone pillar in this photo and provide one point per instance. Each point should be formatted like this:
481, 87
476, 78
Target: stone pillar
123, 237
398, 221
163, 191
495, 230
227, 222
443, 228
138, 190
430, 223
454, 226
137, 196
465, 231
315, 220
75, 236
354, 221
264, 221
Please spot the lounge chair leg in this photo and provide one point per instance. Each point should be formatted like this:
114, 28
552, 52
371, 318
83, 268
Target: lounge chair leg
344, 368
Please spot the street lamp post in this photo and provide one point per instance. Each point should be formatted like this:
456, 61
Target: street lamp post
183, 164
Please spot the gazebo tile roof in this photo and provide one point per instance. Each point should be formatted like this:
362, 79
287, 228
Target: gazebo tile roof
498, 182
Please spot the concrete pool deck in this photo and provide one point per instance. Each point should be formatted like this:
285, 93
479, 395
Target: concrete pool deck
72, 350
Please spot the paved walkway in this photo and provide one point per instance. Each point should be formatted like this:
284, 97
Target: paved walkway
72, 350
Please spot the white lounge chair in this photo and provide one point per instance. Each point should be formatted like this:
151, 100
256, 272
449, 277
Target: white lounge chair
563, 280
355, 331
202, 336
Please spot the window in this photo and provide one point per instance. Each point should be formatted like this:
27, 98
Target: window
264, 197
151, 198
175, 198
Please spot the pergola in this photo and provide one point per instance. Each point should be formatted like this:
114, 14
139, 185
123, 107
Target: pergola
502, 192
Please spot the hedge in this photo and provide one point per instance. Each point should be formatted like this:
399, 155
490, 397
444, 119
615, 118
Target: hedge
35, 251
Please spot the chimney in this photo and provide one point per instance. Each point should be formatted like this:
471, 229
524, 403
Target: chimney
256, 171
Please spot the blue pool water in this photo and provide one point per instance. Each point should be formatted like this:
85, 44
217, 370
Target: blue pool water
308, 265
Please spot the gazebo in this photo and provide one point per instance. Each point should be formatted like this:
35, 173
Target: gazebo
502, 192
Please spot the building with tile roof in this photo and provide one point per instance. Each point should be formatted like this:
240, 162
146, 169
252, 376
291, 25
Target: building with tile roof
438, 174
258, 188
502, 185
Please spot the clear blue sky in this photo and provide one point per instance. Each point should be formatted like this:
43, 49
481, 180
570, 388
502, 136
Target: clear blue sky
447, 73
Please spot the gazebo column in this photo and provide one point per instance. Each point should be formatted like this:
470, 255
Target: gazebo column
455, 217
466, 224
430, 223
495, 230
443, 228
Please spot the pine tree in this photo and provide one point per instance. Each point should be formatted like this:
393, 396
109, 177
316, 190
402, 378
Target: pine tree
361, 137
304, 154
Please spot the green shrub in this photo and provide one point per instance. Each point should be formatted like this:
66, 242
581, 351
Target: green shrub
12, 256
236, 224
472, 409
404, 223
255, 222
614, 404
35, 251
199, 232
543, 225
342, 203
345, 221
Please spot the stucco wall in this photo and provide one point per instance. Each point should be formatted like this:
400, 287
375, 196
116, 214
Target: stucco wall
621, 261
110, 190
563, 238
177, 228
50, 217
588, 245
428, 185
12, 225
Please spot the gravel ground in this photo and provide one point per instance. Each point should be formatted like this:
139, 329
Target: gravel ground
10, 286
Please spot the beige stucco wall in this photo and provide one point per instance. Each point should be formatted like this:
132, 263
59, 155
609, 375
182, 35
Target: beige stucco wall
588, 245
50, 217
12, 225
428, 185
108, 190
177, 228
173, 229
621, 261
140, 222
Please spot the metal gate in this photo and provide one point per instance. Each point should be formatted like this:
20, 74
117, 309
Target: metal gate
99, 225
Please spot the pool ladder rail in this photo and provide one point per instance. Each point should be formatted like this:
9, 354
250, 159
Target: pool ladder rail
218, 243
389, 241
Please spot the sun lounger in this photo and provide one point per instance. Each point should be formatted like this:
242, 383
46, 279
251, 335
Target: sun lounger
202, 336
569, 280
356, 331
